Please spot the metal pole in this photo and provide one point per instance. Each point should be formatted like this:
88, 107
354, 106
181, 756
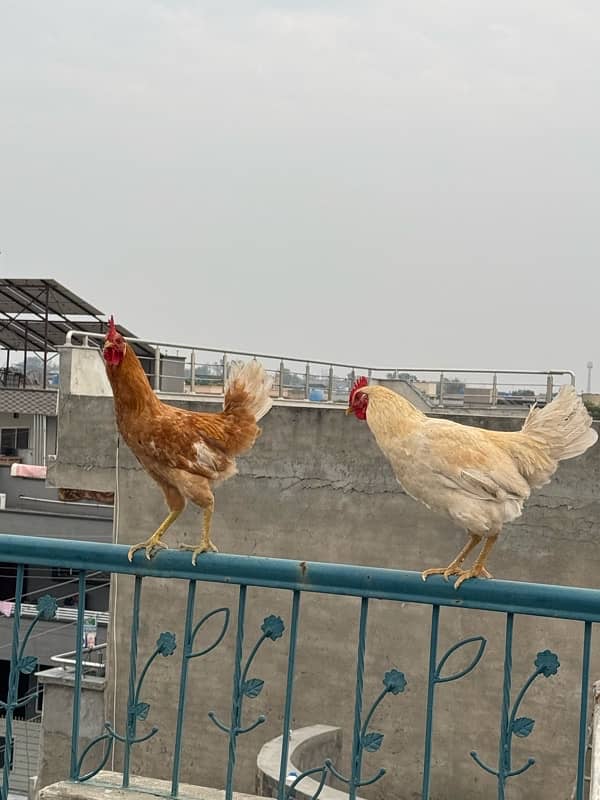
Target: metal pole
441, 388
590, 366
25, 355
307, 382
595, 766
46, 336
330, 386
549, 387
156, 369
225, 371
495, 390
281, 379
193, 371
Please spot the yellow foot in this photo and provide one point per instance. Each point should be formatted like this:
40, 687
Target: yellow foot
476, 571
151, 546
203, 547
451, 569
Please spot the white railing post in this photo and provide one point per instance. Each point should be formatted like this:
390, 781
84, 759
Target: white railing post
225, 371
156, 369
193, 371
281, 378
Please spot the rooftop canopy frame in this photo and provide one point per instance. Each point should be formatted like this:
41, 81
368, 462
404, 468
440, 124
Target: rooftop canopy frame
37, 313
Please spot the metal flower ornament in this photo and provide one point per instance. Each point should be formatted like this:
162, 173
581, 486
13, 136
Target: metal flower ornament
137, 710
394, 682
546, 665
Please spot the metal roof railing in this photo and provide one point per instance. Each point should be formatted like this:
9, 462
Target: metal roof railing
184, 368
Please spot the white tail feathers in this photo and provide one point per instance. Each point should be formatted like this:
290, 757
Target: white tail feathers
252, 379
563, 426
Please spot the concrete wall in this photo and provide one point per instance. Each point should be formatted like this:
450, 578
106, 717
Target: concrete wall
316, 487
57, 716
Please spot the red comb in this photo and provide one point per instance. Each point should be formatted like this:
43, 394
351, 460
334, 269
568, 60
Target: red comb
359, 383
112, 328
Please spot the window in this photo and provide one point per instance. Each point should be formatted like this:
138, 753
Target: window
12, 439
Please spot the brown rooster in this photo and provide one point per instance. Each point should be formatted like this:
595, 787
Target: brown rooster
186, 452
478, 478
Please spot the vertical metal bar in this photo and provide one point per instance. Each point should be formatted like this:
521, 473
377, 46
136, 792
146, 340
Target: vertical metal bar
549, 388
281, 378
46, 337
435, 624
504, 752
13, 682
369, 374
594, 790
25, 348
495, 390
441, 388
287, 714
156, 380
330, 385
307, 382
78, 674
225, 371
131, 718
585, 687
185, 660
360, 672
193, 371
236, 694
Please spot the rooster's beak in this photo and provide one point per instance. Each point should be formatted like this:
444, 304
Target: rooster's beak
348, 411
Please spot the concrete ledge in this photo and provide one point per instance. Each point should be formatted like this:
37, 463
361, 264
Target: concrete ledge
107, 786
309, 747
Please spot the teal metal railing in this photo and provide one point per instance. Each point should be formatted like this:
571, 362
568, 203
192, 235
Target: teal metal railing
581, 606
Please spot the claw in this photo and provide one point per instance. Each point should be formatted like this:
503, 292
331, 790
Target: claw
446, 572
203, 547
151, 546
476, 571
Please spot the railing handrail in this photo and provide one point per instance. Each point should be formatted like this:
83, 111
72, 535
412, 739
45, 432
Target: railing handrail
561, 602
366, 369
69, 659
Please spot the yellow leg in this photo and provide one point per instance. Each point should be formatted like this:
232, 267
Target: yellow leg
455, 567
205, 545
478, 569
153, 543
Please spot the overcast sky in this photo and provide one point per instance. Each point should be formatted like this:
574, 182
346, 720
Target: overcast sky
408, 183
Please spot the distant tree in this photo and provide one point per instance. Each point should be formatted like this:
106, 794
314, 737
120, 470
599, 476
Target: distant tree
593, 408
